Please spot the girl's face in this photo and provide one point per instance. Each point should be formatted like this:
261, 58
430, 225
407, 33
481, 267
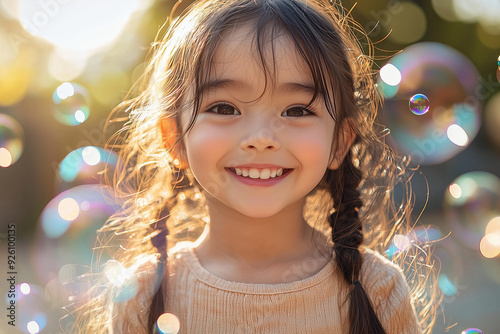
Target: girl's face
254, 148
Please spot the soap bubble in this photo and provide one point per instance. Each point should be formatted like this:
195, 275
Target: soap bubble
449, 81
11, 140
61, 241
71, 104
498, 69
168, 323
472, 331
419, 104
470, 203
83, 165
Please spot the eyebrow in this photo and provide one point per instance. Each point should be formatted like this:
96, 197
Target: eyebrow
289, 87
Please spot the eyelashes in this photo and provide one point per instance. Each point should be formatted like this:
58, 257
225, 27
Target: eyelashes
227, 109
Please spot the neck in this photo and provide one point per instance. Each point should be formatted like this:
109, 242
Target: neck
257, 242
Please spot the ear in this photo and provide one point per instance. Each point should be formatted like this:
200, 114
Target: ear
346, 138
169, 135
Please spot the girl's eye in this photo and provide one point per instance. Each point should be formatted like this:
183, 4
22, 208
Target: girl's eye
297, 112
224, 109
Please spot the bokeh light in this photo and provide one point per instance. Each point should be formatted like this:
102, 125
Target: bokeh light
84, 165
408, 24
449, 80
68, 209
419, 104
71, 104
11, 140
457, 135
469, 210
390, 75
25, 288
168, 323
82, 34
33, 327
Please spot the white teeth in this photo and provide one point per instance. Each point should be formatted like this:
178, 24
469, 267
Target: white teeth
263, 174
253, 173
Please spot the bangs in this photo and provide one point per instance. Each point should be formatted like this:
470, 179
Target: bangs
315, 37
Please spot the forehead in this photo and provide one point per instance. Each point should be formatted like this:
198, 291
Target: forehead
240, 52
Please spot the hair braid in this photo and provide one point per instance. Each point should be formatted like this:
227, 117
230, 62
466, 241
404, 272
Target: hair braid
347, 236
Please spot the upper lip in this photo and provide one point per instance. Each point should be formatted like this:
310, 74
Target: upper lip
258, 166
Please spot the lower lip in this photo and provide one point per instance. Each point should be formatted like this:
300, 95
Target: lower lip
259, 182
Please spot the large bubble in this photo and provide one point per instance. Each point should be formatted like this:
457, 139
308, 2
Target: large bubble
84, 165
472, 201
11, 140
71, 103
68, 226
449, 81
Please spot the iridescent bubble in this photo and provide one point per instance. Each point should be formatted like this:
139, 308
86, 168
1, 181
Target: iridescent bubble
168, 323
470, 203
472, 331
11, 140
68, 225
71, 103
84, 165
419, 104
449, 81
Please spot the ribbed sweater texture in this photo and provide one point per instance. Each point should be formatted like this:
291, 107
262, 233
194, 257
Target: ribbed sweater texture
205, 303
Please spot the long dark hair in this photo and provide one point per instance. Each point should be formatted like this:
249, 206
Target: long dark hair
360, 209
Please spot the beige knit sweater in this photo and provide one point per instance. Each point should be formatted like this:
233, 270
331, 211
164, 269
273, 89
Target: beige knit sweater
207, 304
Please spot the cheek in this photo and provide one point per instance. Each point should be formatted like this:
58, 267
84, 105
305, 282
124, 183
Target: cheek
204, 143
312, 147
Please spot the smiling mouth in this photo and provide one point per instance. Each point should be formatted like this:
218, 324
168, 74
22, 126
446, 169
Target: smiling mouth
260, 173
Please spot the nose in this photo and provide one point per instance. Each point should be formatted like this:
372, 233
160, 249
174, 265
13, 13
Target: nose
260, 138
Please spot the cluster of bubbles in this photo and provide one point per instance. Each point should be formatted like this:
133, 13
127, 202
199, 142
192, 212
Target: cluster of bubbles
439, 85
11, 140
71, 104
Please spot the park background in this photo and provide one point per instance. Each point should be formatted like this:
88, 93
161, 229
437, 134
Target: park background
64, 65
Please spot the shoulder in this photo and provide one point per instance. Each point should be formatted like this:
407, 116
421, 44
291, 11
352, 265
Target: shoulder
377, 270
389, 293
382, 278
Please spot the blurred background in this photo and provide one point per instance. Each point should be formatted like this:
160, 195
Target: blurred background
64, 64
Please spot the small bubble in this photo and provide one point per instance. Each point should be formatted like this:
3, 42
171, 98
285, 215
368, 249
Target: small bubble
71, 104
168, 323
472, 331
419, 104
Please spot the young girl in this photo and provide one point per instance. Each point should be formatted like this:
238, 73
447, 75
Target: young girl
254, 145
